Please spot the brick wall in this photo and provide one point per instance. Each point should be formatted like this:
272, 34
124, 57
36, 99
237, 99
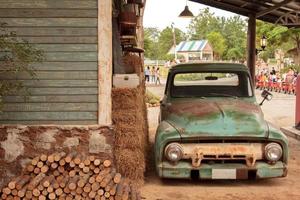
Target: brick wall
19, 144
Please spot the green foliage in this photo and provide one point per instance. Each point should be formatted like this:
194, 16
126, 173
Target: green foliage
294, 67
236, 38
218, 43
204, 23
226, 35
15, 57
279, 37
197, 76
234, 53
151, 98
232, 30
166, 40
151, 36
158, 43
190, 77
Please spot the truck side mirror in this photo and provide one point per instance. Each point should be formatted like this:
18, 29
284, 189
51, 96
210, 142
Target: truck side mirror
266, 96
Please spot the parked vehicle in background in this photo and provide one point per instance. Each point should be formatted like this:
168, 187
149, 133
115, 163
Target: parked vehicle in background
211, 126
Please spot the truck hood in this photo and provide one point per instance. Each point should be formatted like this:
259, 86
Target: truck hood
215, 118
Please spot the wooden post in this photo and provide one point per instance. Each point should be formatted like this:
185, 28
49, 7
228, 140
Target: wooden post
104, 62
297, 124
251, 47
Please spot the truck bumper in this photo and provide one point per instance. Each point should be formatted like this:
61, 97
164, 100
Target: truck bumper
184, 170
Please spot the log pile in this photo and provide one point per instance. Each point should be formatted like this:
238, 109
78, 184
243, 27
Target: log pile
69, 176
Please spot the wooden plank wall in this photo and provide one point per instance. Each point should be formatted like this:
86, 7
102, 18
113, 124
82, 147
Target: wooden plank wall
66, 91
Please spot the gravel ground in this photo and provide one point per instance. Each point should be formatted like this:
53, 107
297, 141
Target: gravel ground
281, 112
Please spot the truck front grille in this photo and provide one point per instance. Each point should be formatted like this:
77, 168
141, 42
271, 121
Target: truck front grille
247, 153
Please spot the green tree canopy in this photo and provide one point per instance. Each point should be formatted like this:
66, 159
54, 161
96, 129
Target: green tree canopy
158, 43
151, 36
203, 24
278, 37
218, 43
166, 40
236, 37
232, 30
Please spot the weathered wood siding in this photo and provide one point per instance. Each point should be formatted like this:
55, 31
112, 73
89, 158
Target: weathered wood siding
66, 89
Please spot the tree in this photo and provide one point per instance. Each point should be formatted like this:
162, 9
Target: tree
279, 37
158, 43
15, 58
232, 29
236, 38
166, 40
151, 36
203, 24
234, 53
218, 43
292, 35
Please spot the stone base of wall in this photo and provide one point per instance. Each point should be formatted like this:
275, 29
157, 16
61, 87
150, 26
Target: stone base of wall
19, 144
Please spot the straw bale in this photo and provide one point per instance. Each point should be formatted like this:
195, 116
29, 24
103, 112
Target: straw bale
131, 164
122, 117
124, 98
131, 132
132, 64
128, 137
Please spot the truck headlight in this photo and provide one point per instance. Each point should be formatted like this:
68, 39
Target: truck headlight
173, 152
273, 152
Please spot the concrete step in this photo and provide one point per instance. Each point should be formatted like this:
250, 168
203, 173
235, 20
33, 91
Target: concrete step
291, 132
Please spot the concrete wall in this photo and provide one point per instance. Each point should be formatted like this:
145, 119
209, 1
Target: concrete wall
19, 144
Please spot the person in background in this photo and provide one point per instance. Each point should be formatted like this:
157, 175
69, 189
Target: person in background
295, 79
290, 76
147, 74
274, 77
273, 71
152, 74
157, 76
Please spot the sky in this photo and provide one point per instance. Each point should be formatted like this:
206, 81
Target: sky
161, 13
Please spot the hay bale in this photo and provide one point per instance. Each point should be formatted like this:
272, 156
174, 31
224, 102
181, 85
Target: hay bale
124, 98
131, 132
128, 137
132, 64
131, 164
122, 117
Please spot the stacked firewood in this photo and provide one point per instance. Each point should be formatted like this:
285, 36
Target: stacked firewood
61, 176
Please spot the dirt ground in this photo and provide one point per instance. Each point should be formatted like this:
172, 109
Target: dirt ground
279, 111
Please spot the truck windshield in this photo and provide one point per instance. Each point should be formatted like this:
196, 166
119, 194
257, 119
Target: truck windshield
211, 84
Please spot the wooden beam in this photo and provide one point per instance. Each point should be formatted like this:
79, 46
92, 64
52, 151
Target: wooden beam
105, 62
225, 6
275, 7
251, 47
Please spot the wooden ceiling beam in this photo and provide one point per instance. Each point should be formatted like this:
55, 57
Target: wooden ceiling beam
225, 6
264, 10
275, 7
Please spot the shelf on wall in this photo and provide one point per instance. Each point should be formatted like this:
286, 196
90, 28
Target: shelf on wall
128, 40
141, 3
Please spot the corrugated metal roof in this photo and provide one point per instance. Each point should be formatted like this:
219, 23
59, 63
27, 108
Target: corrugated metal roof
191, 46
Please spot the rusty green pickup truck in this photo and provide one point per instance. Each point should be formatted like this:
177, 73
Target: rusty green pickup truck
211, 126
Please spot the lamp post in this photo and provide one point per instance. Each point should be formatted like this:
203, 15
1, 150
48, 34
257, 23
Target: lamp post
174, 40
263, 45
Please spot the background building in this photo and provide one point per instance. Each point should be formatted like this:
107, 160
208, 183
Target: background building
194, 51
